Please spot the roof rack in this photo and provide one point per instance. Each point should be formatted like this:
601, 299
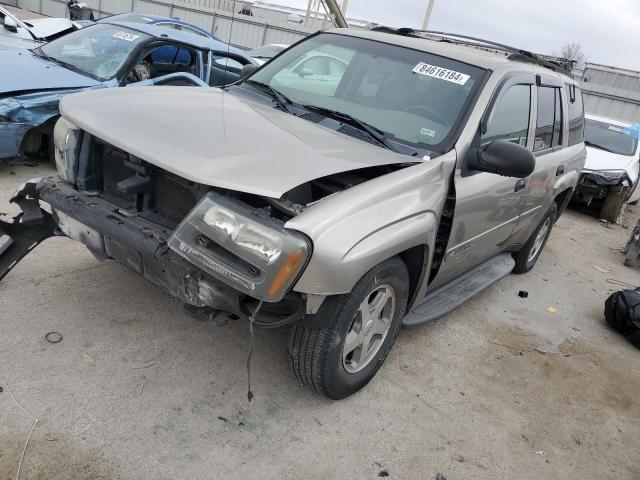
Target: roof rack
560, 65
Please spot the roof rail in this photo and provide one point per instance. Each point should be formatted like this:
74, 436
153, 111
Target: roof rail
560, 65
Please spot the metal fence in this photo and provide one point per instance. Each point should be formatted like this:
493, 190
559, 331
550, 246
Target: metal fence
612, 92
242, 31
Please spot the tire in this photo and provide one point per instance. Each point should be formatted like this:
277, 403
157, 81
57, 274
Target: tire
527, 257
319, 354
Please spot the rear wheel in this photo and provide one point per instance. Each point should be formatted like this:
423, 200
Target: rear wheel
528, 256
356, 333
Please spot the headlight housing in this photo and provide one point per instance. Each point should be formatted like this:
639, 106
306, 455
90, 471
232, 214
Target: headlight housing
66, 138
607, 175
252, 253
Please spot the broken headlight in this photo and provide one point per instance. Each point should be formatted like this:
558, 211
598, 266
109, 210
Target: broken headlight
66, 138
252, 253
608, 175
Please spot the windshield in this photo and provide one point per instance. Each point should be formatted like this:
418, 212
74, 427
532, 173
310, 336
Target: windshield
611, 138
267, 51
99, 50
412, 96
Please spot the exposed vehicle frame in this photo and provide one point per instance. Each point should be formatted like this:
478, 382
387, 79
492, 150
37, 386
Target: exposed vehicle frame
344, 229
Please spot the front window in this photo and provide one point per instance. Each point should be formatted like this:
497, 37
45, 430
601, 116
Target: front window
611, 138
510, 119
414, 97
98, 51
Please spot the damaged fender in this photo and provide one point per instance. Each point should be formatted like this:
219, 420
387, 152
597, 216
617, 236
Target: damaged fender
385, 216
21, 113
26, 230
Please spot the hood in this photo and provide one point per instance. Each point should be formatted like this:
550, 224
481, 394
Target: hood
9, 42
23, 70
598, 159
216, 138
44, 28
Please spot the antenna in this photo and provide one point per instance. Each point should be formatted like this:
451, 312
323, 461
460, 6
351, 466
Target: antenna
226, 61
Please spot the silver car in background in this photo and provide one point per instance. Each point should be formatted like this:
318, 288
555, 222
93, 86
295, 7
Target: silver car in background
31, 33
388, 192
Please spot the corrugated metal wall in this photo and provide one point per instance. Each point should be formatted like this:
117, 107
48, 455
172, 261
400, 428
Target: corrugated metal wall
612, 92
612, 108
244, 31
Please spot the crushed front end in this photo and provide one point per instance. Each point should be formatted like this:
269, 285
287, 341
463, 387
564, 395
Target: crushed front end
214, 249
597, 184
606, 189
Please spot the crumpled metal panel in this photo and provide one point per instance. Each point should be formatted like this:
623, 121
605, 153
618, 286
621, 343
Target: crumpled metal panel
19, 114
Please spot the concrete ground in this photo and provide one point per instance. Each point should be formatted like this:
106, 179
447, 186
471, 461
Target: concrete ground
503, 388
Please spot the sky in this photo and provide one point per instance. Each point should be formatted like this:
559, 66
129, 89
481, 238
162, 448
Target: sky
609, 31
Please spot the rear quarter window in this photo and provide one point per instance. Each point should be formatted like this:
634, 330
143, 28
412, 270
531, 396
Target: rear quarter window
576, 116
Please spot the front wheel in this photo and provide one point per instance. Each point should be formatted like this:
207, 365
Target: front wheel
528, 256
353, 335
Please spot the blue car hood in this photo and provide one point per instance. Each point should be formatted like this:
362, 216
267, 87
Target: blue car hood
23, 71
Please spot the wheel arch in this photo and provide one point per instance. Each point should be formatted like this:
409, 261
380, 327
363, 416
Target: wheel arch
562, 200
37, 139
411, 238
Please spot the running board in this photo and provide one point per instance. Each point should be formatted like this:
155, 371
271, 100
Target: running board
447, 298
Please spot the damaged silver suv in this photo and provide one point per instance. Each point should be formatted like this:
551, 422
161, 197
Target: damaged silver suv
359, 181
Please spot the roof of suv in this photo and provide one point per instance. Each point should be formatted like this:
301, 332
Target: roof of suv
464, 53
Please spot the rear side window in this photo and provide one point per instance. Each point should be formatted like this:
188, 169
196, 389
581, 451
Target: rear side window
510, 119
549, 120
576, 117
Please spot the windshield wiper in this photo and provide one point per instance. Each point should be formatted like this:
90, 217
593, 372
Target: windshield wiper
595, 145
373, 132
281, 99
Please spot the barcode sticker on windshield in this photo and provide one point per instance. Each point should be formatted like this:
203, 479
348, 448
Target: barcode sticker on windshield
441, 73
129, 37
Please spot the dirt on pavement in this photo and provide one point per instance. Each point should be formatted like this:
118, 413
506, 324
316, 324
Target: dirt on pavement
505, 387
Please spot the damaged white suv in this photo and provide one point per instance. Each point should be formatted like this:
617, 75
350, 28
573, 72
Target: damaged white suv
358, 181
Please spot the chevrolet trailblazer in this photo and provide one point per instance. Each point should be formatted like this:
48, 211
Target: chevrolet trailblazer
386, 181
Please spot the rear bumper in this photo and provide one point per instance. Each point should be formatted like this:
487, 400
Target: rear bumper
141, 245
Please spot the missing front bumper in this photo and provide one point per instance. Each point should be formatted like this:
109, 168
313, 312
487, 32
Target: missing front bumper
133, 241
26, 230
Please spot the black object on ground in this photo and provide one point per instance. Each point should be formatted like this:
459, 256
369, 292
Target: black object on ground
622, 312
523, 294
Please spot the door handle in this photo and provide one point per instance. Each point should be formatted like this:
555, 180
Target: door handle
520, 184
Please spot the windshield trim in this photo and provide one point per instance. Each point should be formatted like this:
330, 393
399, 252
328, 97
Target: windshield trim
449, 141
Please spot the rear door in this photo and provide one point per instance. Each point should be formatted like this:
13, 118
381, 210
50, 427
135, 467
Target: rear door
548, 148
487, 205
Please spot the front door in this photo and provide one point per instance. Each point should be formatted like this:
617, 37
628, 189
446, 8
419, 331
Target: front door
488, 205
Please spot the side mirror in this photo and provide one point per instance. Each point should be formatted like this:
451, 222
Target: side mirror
503, 158
10, 24
306, 72
248, 70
